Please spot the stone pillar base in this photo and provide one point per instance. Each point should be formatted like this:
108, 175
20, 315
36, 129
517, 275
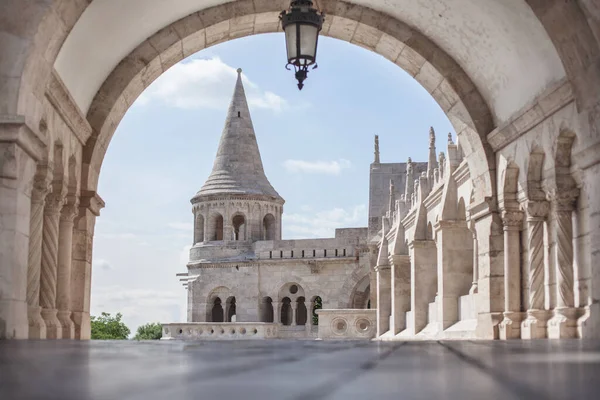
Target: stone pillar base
37, 326
13, 315
588, 324
535, 325
83, 328
563, 324
487, 325
67, 326
510, 327
53, 326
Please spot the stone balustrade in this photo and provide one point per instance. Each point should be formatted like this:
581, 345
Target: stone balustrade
347, 323
220, 331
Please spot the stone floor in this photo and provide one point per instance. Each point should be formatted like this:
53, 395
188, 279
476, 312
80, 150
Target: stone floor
281, 369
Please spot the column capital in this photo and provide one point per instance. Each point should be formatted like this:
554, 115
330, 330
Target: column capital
70, 209
54, 203
512, 220
563, 199
536, 209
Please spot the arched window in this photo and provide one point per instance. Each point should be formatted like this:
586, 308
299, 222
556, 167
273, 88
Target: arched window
266, 311
301, 313
239, 227
317, 304
231, 311
199, 228
215, 227
217, 310
269, 227
286, 311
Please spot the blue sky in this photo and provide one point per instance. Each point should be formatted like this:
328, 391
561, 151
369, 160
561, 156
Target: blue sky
316, 146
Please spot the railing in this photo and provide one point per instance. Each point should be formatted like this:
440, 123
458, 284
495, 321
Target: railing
219, 331
347, 324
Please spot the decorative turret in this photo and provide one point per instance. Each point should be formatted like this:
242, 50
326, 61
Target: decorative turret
237, 201
432, 161
376, 150
410, 180
392, 205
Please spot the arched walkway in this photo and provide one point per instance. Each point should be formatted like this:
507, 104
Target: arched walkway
452, 63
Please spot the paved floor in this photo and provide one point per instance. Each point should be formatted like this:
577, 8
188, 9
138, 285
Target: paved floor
282, 369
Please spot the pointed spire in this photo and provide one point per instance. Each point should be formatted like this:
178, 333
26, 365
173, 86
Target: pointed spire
450, 141
432, 162
392, 205
238, 168
376, 149
410, 180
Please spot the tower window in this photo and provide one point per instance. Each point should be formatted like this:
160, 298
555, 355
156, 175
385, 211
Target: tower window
344, 252
292, 254
302, 253
281, 254
314, 253
325, 253
270, 254
239, 114
336, 252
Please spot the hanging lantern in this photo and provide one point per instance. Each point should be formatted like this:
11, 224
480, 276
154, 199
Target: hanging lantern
301, 25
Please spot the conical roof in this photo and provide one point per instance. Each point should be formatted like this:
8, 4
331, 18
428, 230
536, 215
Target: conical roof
238, 168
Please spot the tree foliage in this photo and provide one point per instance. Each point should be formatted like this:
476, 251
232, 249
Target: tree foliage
106, 327
151, 331
318, 305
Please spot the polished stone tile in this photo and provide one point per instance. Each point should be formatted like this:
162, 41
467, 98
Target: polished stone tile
280, 369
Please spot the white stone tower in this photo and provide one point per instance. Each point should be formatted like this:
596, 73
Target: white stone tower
237, 205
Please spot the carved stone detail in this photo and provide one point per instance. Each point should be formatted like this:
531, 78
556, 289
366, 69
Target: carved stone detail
512, 219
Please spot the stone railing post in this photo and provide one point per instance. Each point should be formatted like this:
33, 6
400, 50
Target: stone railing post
534, 326
65, 254
510, 327
52, 209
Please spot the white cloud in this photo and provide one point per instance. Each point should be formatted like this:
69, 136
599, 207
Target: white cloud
101, 263
317, 167
206, 83
324, 223
184, 256
182, 226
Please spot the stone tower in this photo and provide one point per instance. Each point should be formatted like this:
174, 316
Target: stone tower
236, 205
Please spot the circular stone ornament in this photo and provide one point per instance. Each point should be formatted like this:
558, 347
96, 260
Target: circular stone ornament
339, 326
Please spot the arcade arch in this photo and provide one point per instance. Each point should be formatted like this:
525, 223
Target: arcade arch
459, 79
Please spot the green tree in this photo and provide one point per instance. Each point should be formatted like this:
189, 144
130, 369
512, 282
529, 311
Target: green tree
151, 331
106, 327
318, 305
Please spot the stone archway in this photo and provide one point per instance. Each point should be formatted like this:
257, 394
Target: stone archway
34, 99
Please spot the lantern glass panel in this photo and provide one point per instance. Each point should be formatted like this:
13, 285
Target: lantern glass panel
290, 41
308, 41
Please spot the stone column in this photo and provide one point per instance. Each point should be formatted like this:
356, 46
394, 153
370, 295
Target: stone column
294, 305
81, 267
384, 298
454, 269
276, 312
37, 326
510, 327
65, 255
534, 326
564, 322
423, 281
400, 291
490, 287
19, 149
54, 204
473, 289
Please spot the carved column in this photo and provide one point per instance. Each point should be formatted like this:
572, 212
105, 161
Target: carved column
81, 267
65, 255
294, 305
534, 326
473, 289
37, 326
54, 204
510, 327
564, 322
384, 298
276, 312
